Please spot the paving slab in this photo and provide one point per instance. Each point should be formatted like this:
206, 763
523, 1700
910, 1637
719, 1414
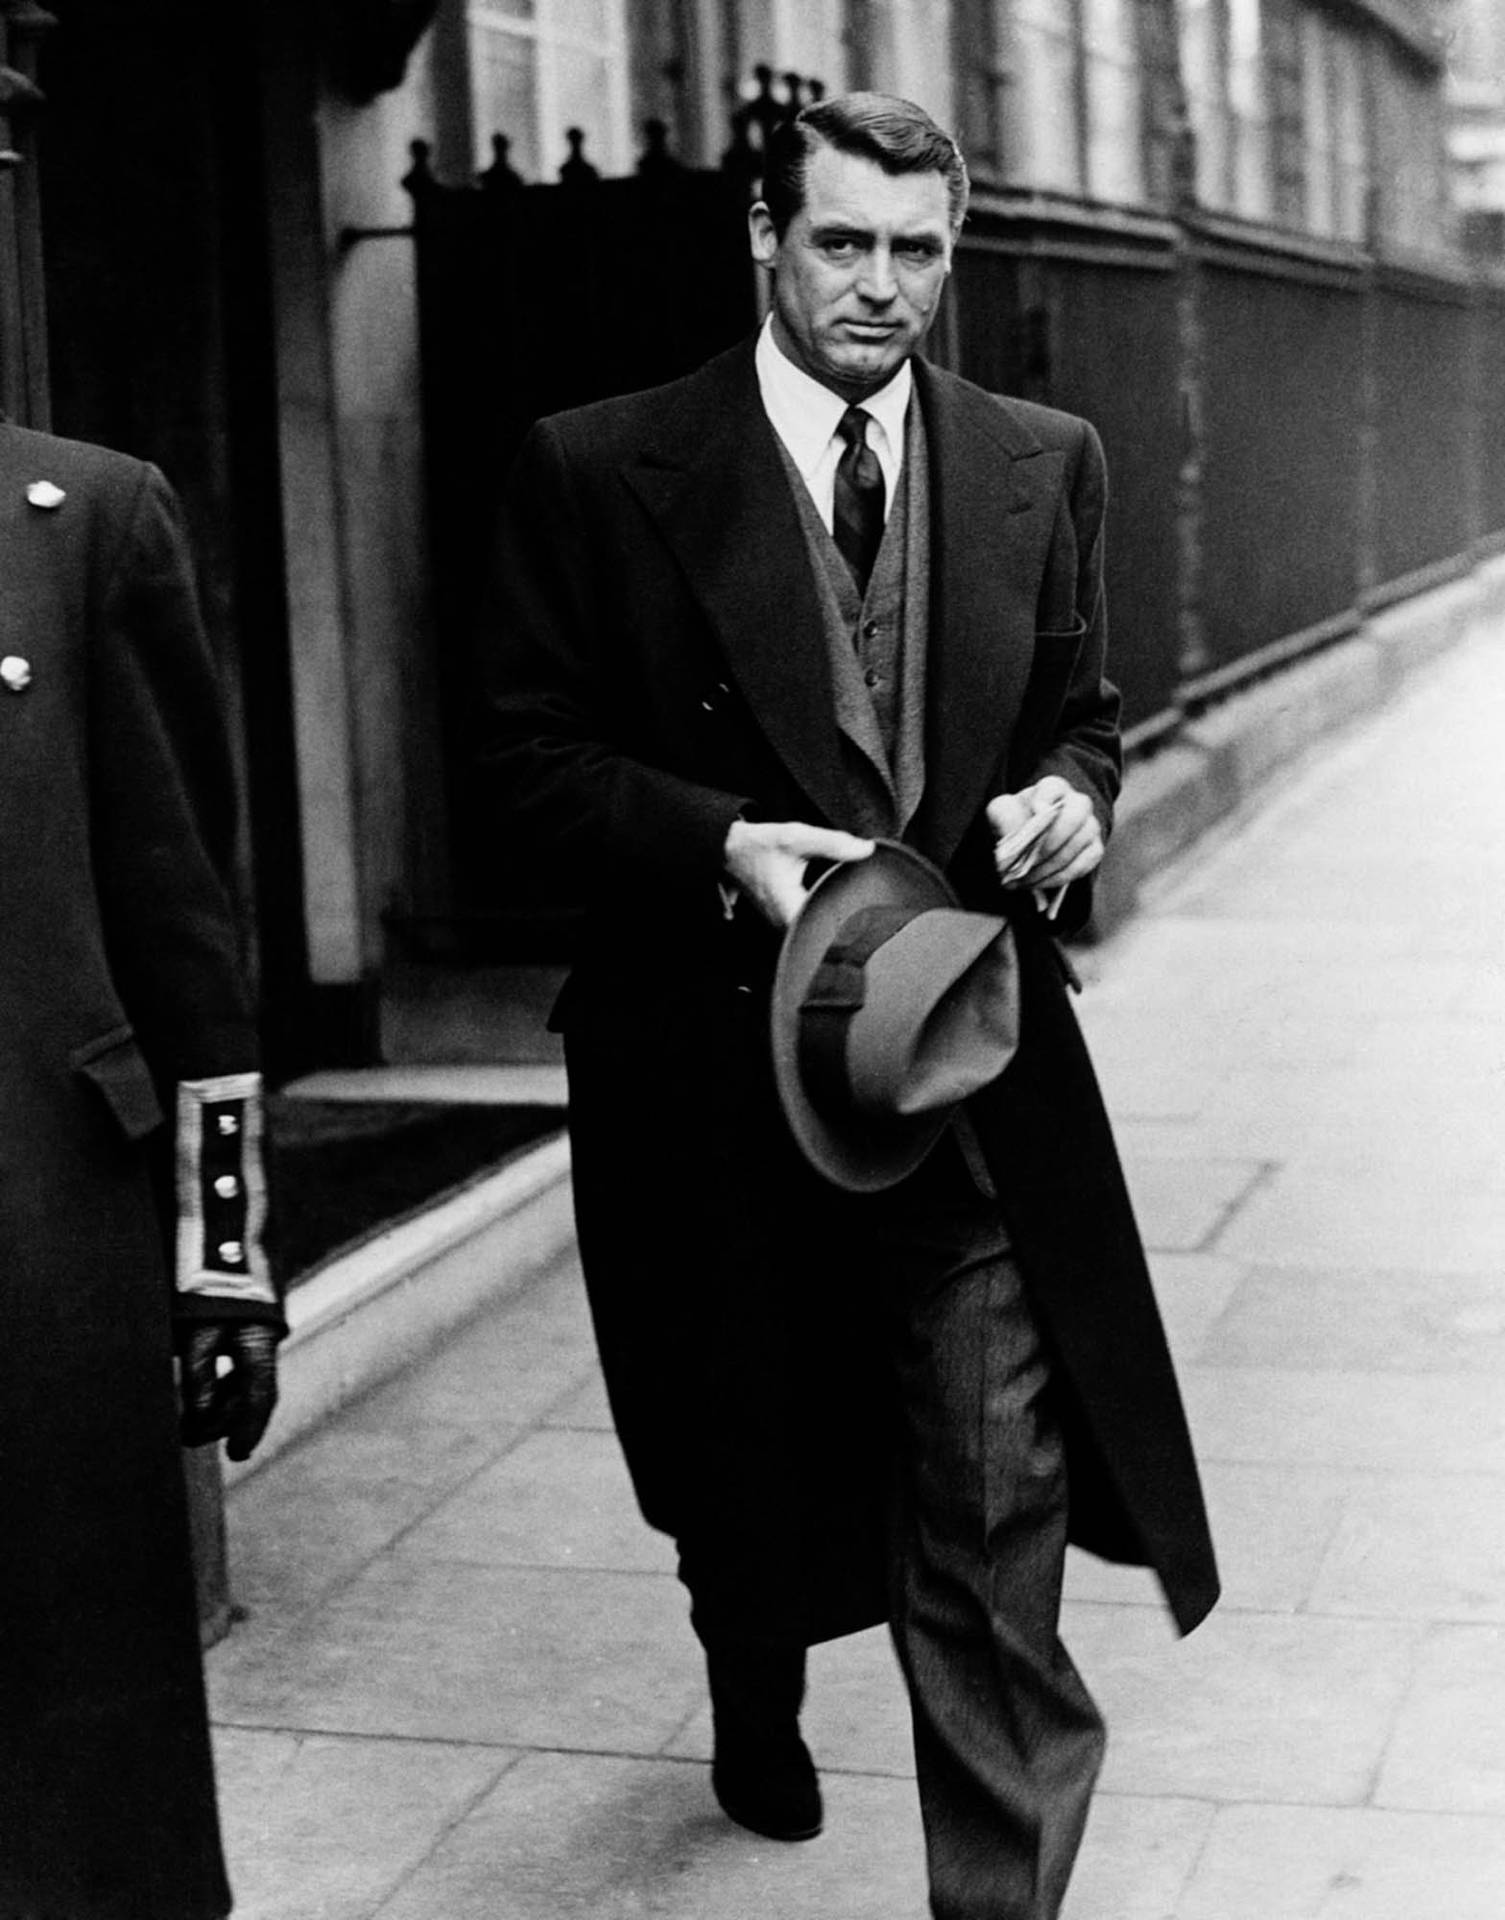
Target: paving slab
1194, 1290
1300, 1863
509, 1369
1455, 1423
337, 1501
1138, 1855
1253, 1706
468, 1686
580, 1837
326, 1829
1414, 1320
1448, 1750
499, 1656
1275, 1527
586, 1407
1299, 1218
1184, 1204
1417, 1546
560, 1499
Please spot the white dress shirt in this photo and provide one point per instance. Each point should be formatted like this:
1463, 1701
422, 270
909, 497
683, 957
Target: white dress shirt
804, 415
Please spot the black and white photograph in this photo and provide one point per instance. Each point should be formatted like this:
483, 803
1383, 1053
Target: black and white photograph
752, 960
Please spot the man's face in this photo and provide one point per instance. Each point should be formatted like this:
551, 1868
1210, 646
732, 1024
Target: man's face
859, 271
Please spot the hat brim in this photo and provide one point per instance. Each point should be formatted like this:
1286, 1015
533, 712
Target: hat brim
861, 1156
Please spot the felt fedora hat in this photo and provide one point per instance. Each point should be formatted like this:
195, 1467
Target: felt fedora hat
891, 1004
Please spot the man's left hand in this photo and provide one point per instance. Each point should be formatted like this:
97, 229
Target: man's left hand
234, 1406
1072, 845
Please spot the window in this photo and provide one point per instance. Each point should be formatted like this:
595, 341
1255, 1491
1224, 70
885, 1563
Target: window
539, 67
1251, 172
1042, 120
979, 85
1319, 119
1350, 143
1286, 48
1114, 98
1051, 94
1223, 54
1413, 210
1204, 65
914, 56
1278, 104
810, 38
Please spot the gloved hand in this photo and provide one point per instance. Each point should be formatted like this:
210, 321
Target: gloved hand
235, 1406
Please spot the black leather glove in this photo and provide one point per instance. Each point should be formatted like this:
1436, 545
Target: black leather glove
234, 1406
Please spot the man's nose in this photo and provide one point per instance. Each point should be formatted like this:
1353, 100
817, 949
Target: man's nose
877, 282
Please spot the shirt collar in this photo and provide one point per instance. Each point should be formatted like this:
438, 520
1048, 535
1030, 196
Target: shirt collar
805, 414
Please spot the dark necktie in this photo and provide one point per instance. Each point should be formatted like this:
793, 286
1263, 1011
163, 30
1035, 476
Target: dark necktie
857, 502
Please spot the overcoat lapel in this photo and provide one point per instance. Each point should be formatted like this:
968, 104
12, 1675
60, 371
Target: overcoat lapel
715, 486
717, 490
993, 490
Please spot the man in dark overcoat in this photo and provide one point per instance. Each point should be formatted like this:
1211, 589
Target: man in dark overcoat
130, 1195
817, 592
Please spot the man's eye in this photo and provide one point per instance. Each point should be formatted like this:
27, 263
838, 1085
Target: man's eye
839, 249
918, 253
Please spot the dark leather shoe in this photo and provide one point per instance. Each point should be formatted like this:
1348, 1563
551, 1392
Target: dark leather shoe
772, 1791
762, 1773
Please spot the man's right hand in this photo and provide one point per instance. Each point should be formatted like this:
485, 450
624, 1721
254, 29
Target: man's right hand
236, 1406
767, 860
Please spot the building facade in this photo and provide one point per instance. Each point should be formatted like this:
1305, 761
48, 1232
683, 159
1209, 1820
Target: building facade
1476, 124
1221, 228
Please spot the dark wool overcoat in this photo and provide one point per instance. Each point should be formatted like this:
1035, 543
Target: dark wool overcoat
658, 665
119, 975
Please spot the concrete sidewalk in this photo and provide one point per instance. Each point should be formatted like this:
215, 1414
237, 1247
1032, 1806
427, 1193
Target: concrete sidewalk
466, 1688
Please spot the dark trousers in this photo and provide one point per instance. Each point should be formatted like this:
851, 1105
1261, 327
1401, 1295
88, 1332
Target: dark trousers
1008, 1742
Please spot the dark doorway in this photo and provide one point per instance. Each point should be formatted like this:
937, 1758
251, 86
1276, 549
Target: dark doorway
154, 212
533, 299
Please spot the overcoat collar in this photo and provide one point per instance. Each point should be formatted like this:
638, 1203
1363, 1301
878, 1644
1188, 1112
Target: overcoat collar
714, 484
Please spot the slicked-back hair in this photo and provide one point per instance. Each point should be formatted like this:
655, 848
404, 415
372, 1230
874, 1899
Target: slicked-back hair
899, 136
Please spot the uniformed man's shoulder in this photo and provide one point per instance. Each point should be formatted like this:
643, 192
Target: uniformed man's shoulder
71, 464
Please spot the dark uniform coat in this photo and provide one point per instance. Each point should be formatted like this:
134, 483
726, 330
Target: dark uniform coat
659, 666
119, 979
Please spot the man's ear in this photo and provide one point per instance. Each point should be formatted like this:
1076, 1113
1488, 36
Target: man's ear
761, 236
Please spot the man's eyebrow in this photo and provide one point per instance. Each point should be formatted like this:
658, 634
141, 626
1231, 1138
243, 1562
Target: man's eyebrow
825, 231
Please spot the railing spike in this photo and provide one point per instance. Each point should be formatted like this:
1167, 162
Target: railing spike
419, 178
577, 171
501, 176
656, 160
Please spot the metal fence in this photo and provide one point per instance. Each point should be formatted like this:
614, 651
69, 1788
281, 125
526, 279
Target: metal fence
1426, 454
1061, 317
1295, 431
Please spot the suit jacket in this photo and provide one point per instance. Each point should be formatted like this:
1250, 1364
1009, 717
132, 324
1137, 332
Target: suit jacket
119, 979
657, 668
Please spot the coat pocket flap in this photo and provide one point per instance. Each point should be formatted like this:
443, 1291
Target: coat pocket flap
1053, 636
115, 1065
